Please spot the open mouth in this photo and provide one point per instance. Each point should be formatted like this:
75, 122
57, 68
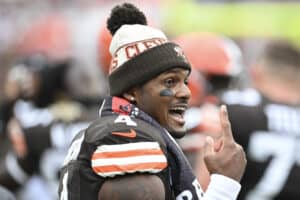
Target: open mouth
177, 113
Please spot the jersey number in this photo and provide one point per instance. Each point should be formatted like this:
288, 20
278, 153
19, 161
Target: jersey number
125, 119
262, 146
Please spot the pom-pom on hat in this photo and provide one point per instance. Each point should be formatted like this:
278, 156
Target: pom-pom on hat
139, 52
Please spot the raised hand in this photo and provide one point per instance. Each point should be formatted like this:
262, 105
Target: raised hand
227, 158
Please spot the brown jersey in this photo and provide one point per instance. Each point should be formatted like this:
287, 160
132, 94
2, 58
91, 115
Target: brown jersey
270, 134
112, 146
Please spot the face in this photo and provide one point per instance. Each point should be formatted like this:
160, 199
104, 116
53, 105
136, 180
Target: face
22, 83
31, 87
165, 98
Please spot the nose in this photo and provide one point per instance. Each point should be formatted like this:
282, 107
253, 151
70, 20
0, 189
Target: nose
183, 92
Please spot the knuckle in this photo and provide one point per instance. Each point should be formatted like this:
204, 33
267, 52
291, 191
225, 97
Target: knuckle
238, 146
240, 151
226, 124
231, 145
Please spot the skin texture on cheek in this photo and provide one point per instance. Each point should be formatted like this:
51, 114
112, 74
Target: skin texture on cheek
166, 93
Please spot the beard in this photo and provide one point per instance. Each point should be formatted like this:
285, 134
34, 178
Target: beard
177, 134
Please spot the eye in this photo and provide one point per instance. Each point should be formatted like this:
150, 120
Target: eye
170, 82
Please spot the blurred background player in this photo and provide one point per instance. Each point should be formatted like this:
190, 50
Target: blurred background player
218, 58
41, 125
45, 111
265, 121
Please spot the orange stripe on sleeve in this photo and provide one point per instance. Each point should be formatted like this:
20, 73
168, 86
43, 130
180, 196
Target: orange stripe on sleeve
130, 167
124, 154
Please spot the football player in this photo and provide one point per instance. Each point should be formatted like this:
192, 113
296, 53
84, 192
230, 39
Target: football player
130, 151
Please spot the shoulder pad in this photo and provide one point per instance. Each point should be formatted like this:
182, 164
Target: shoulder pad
116, 127
126, 145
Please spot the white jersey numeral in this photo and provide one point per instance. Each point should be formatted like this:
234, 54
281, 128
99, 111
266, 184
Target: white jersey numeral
282, 149
125, 119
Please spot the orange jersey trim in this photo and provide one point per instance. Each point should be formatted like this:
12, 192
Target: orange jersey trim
129, 153
130, 167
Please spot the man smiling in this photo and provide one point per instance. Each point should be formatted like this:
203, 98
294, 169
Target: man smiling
129, 152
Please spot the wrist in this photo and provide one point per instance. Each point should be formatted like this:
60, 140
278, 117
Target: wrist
222, 187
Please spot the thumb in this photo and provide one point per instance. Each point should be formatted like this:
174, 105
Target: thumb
209, 146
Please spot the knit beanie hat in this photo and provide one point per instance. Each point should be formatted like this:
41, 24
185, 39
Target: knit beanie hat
139, 52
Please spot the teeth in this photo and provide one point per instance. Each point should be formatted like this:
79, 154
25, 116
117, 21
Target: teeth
179, 108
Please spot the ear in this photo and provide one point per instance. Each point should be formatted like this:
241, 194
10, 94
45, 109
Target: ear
130, 96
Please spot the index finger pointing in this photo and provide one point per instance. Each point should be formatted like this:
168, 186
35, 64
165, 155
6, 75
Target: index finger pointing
225, 124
